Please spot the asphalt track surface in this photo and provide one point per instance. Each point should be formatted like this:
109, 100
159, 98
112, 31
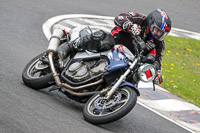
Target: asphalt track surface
25, 110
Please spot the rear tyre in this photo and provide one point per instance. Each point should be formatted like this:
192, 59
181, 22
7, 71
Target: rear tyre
99, 111
37, 75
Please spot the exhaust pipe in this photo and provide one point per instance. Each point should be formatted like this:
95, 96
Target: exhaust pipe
55, 40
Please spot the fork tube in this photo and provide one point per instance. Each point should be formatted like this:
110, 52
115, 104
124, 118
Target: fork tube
121, 79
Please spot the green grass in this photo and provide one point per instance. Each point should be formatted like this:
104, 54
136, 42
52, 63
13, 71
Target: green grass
181, 68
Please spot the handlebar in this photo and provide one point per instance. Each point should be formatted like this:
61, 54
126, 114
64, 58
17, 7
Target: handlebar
139, 45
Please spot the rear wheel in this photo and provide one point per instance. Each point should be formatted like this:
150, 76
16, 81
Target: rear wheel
37, 74
100, 111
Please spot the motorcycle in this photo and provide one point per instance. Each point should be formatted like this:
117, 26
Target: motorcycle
105, 81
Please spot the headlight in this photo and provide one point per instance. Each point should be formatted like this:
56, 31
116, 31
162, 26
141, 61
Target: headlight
146, 73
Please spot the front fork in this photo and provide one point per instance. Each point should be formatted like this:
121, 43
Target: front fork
121, 79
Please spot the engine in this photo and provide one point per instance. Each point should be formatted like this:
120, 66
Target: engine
80, 71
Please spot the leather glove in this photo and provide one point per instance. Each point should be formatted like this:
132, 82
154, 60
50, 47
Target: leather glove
134, 29
158, 79
150, 45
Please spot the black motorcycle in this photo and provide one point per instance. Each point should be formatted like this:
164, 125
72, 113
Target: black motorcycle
106, 81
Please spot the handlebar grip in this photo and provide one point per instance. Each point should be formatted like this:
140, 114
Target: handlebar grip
140, 43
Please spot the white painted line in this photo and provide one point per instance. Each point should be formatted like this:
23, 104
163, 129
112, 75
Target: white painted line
71, 22
169, 119
91, 22
166, 105
186, 31
150, 85
109, 22
193, 36
173, 34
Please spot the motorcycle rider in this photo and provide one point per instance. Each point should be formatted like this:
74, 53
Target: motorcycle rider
152, 29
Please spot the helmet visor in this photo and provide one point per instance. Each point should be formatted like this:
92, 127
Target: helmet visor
157, 32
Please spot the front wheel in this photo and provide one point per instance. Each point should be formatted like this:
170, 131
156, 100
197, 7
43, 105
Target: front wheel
100, 111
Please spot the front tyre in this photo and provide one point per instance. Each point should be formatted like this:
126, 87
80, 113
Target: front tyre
99, 111
37, 74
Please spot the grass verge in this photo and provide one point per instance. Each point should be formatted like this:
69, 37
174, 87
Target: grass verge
181, 68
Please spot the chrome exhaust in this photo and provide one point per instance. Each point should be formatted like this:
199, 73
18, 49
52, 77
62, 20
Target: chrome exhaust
55, 40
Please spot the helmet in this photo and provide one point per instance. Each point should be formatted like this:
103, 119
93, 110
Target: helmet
159, 24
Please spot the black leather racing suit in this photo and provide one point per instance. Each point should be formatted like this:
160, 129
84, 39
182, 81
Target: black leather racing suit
123, 37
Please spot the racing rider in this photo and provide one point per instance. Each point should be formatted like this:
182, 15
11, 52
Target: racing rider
152, 29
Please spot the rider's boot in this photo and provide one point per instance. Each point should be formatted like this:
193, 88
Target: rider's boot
65, 49
68, 47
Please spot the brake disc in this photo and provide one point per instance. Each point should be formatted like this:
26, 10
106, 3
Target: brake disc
102, 103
